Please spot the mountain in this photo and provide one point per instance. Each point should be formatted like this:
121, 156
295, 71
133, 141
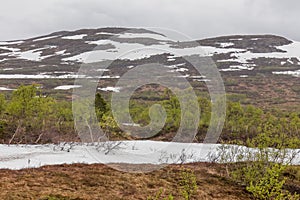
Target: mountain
268, 59
64, 49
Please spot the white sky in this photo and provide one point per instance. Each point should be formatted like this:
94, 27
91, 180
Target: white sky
195, 18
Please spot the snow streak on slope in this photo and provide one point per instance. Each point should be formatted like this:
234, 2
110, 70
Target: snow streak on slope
143, 35
75, 37
293, 73
67, 87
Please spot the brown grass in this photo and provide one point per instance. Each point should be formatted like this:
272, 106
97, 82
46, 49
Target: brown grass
93, 182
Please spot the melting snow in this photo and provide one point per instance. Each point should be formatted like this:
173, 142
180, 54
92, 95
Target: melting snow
196, 77
293, 73
244, 76
133, 152
171, 59
180, 70
226, 44
30, 55
38, 76
13, 50
33, 55
11, 42
233, 39
105, 33
229, 70
135, 51
8, 69
67, 87
100, 55
5, 89
102, 70
62, 52
283, 62
75, 37
203, 80
46, 38
131, 124
292, 51
143, 35
110, 89
183, 76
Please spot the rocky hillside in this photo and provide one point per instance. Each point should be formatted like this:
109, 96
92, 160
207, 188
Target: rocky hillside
59, 56
60, 51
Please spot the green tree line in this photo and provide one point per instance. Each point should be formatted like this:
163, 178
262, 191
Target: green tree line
26, 116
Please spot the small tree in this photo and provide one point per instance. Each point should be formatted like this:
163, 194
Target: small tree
25, 110
100, 106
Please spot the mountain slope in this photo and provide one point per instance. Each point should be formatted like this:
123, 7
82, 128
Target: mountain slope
232, 53
243, 60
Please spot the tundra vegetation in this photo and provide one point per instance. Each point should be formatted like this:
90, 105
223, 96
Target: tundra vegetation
29, 116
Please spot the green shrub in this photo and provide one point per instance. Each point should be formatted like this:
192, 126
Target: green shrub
268, 186
158, 196
188, 184
261, 168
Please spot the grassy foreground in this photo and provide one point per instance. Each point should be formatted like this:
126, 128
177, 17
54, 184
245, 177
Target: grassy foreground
81, 181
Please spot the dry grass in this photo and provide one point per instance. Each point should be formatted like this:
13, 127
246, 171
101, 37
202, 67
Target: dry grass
93, 182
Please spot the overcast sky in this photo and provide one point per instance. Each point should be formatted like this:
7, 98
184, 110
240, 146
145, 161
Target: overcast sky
195, 18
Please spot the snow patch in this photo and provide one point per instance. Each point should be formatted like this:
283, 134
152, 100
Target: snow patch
102, 70
30, 55
238, 39
75, 37
67, 87
7, 69
179, 70
138, 51
5, 89
143, 35
133, 152
229, 70
171, 59
110, 89
131, 124
11, 42
244, 76
293, 73
62, 52
13, 50
225, 44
